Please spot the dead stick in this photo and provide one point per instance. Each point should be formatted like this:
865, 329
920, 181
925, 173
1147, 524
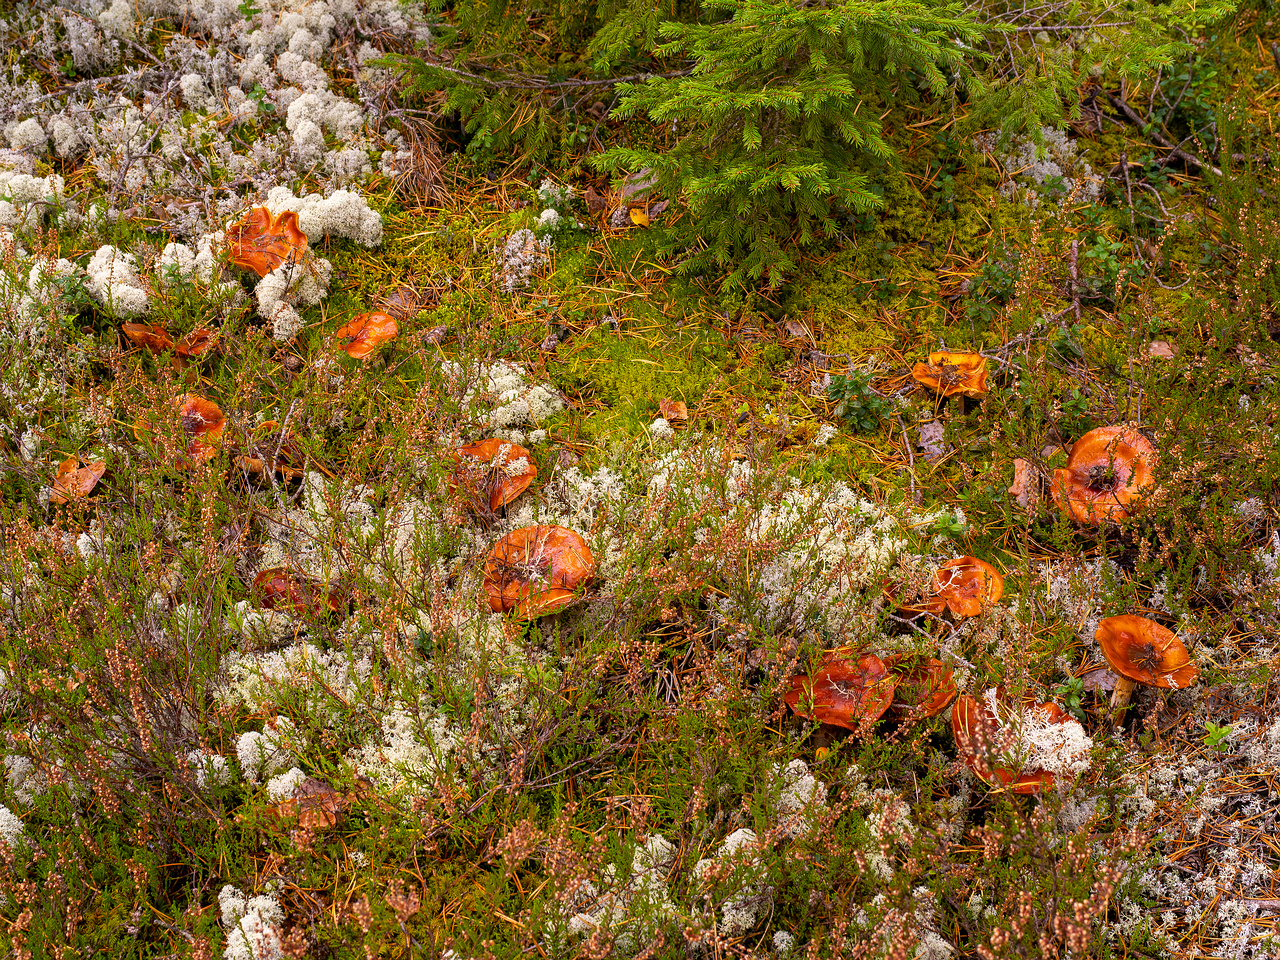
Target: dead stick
1157, 136
911, 459
1075, 278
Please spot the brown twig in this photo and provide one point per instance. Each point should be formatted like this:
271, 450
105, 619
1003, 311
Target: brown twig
1120, 104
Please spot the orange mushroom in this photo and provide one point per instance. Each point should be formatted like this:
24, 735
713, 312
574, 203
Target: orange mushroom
992, 748
279, 588
925, 687
76, 478
153, 337
846, 690
675, 412
493, 472
261, 242
953, 373
202, 423
1107, 473
195, 344
270, 447
366, 333
965, 586
1141, 651
537, 570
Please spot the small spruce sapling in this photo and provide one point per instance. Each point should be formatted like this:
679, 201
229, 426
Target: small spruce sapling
778, 123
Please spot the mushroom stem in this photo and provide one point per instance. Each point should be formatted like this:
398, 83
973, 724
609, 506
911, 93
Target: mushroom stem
1123, 691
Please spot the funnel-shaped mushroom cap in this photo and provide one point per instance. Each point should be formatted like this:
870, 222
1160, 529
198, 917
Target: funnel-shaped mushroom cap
965, 586
991, 749
493, 472
366, 333
1106, 473
537, 570
846, 691
203, 421
952, 373
924, 687
76, 478
1142, 650
261, 242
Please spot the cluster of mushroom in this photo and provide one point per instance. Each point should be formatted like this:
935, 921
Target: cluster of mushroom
853, 690
262, 242
532, 571
1109, 469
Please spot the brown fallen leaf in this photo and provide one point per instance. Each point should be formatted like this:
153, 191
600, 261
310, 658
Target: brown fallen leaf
1026, 483
1099, 679
675, 412
435, 335
316, 805
1161, 348
402, 303
658, 209
596, 203
636, 186
797, 329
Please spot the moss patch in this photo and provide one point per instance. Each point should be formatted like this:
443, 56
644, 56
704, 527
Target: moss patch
619, 375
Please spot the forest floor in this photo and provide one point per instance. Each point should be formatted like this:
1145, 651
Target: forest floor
284, 675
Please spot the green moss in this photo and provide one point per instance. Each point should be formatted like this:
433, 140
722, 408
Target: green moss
621, 376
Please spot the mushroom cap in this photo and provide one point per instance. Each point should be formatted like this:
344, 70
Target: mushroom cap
260, 242
195, 344
925, 687
202, 424
952, 373
537, 570
1106, 473
366, 333
280, 588
203, 421
148, 335
982, 741
266, 446
493, 471
965, 586
1142, 650
846, 690
76, 478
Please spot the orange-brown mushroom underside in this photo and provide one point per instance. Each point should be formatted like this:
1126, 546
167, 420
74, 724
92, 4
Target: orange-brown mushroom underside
1106, 473
537, 570
1142, 650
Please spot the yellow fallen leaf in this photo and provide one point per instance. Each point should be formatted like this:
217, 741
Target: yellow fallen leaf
639, 216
